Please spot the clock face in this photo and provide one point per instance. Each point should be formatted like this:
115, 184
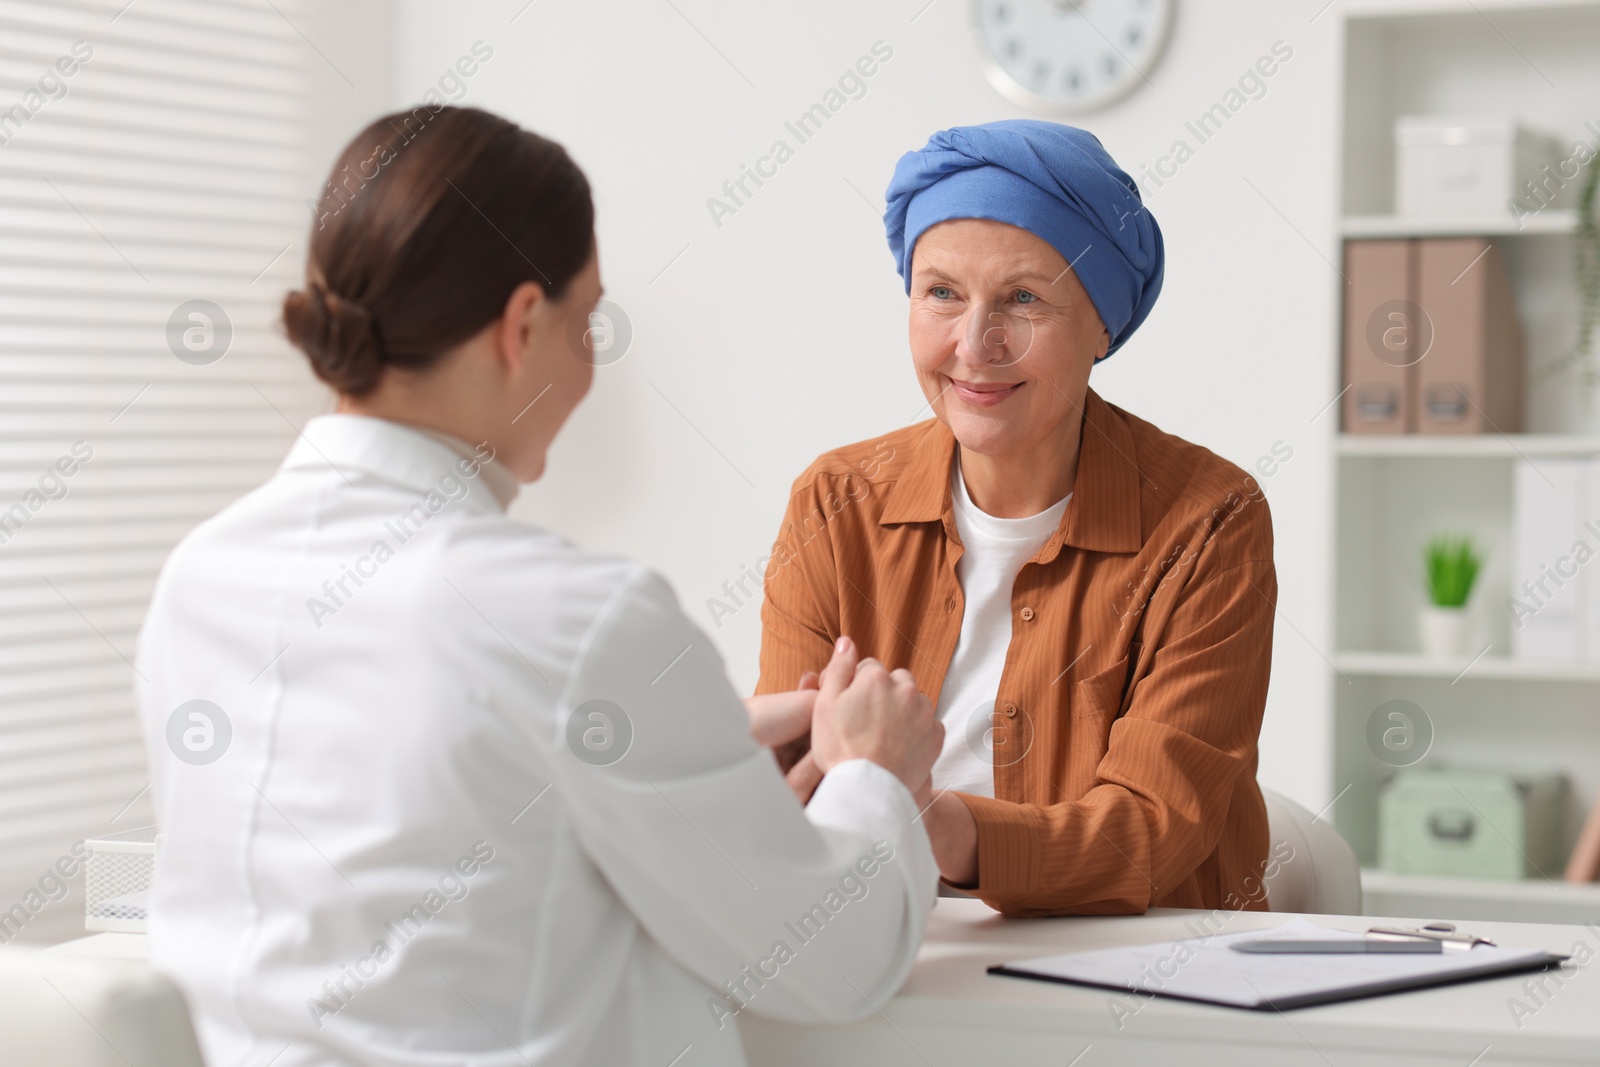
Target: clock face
1070, 55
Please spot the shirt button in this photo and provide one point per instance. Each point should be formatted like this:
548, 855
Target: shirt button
1027, 614
950, 605
1010, 710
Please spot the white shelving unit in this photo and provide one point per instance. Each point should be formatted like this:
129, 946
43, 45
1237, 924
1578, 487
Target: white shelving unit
1474, 446
1483, 667
1554, 221
1532, 900
1461, 57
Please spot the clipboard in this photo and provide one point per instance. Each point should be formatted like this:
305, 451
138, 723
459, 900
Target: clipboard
1206, 970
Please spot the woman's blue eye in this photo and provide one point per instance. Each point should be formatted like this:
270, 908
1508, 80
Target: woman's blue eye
1025, 297
940, 292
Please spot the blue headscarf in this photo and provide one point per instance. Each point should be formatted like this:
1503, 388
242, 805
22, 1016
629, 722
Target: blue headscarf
1054, 181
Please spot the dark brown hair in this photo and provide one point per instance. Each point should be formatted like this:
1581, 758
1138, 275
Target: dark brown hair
428, 222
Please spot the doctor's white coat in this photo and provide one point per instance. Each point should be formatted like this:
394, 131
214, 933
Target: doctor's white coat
436, 787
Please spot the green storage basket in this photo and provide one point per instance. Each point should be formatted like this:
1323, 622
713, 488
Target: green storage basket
1473, 823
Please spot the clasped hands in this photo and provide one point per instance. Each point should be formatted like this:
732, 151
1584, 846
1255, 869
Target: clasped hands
856, 709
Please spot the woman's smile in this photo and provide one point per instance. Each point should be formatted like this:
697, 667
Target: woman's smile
983, 394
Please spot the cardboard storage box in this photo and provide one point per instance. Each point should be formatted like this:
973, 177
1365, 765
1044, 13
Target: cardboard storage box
1486, 824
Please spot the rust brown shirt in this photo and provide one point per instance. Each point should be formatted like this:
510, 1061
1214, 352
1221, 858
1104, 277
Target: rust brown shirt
1137, 672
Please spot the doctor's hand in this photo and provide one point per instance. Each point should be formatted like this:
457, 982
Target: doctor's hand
864, 711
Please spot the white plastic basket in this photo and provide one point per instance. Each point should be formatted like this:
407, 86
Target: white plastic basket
116, 880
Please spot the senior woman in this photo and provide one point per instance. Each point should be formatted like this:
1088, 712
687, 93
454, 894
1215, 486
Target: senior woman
1087, 600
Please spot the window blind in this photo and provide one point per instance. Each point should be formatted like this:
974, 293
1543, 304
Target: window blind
152, 211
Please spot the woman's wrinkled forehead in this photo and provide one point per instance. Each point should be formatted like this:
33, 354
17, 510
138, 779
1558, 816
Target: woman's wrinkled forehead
997, 249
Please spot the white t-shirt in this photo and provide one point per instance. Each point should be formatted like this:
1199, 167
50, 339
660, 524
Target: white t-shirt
994, 551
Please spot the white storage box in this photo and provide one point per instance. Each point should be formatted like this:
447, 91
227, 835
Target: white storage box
1471, 167
116, 880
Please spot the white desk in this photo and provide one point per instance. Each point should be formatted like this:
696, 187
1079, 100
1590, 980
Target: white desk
105, 946
952, 1013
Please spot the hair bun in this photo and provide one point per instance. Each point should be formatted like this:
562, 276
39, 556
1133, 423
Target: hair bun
338, 334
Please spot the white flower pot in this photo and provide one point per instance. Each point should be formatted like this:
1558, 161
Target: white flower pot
1444, 631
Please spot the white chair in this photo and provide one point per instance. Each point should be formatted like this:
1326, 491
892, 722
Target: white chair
1321, 876
74, 1011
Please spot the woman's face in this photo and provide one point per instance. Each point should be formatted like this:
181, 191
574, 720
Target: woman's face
556, 372
1002, 335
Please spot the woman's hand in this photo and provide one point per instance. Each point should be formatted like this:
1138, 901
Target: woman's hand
782, 718
953, 833
805, 775
778, 718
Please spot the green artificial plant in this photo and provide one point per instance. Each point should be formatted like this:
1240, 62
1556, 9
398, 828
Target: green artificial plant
1453, 563
1586, 279
1586, 269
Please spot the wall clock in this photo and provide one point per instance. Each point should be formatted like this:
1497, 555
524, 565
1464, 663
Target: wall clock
1069, 56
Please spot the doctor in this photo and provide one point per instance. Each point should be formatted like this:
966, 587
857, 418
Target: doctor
436, 786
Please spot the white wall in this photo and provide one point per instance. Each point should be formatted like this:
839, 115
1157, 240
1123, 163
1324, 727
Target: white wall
352, 77
780, 334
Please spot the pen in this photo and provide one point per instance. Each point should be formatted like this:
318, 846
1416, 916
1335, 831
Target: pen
1284, 948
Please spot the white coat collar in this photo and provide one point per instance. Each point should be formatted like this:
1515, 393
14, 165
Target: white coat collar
402, 454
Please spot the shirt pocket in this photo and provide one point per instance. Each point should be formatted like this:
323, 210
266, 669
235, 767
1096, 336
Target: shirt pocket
1097, 702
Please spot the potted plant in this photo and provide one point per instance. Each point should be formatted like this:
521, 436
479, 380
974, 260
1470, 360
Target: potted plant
1586, 269
1586, 280
1453, 563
